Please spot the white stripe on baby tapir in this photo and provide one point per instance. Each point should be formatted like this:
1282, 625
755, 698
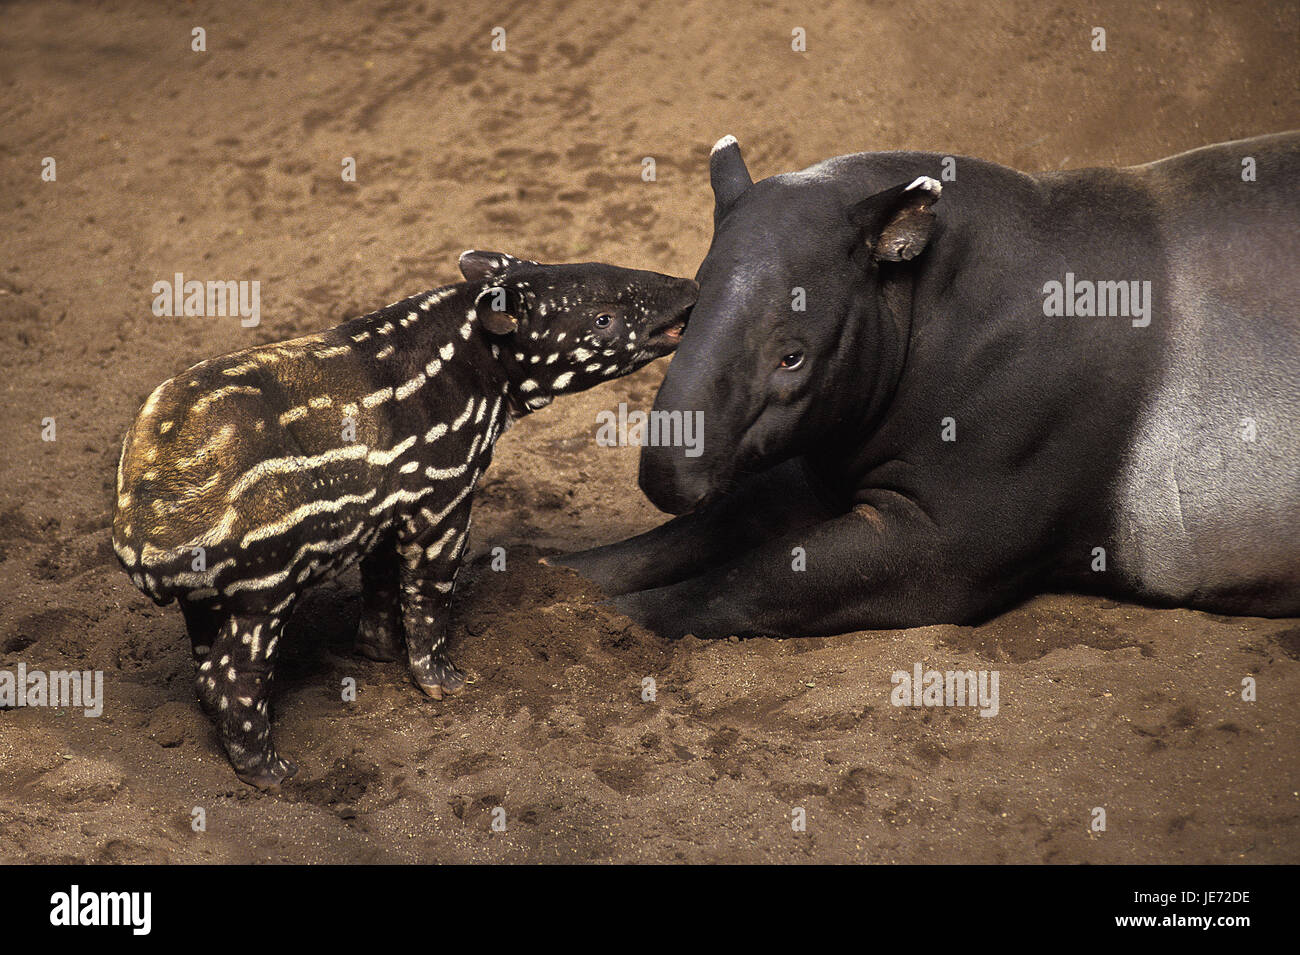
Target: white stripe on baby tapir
220, 393
324, 547
409, 388
434, 549
300, 514
197, 578
294, 463
377, 397
335, 351
464, 416
433, 520
441, 474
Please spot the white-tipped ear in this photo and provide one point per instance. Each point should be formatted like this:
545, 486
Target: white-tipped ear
896, 224
477, 266
926, 184
727, 173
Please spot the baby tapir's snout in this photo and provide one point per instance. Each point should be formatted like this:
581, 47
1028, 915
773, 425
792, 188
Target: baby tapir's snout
249, 478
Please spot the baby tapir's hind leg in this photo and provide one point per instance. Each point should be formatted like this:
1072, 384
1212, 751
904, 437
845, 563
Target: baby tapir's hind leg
431, 561
234, 685
203, 623
379, 634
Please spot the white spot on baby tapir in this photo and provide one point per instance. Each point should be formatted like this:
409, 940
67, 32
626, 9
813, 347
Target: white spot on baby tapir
321, 401
165, 427
447, 351
293, 414
410, 317
529, 385
431, 369
384, 329
385, 352
562, 380
362, 337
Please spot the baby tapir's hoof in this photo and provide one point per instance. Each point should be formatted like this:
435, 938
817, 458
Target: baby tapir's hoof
379, 640
267, 776
438, 677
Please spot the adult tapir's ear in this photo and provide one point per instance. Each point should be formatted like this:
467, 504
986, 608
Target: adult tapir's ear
499, 309
477, 266
896, 224
728, 174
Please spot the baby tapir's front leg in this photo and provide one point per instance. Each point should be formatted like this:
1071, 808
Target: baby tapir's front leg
431, 553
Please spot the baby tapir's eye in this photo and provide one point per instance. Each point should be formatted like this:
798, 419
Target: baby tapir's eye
603, 320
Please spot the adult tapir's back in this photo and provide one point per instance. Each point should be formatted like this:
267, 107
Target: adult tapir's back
1208, 499
1162, 427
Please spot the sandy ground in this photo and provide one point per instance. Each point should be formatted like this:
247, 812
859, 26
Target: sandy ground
226, 165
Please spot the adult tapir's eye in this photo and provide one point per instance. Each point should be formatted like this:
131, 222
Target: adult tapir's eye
792, 361
603, 320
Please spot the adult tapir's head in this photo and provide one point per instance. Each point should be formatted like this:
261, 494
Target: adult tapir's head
791, 335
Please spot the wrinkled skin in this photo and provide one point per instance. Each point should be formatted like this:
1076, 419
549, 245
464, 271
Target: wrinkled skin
922, 444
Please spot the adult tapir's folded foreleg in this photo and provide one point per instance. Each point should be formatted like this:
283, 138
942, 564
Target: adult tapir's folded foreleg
872, 568
762, 507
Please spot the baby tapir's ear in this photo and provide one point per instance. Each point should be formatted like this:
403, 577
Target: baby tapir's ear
477, 266
499, 309
896, 223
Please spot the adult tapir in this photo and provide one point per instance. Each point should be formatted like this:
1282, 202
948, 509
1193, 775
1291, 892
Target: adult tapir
931, 386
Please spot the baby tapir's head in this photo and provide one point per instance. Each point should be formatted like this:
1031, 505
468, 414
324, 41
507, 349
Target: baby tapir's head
569, 327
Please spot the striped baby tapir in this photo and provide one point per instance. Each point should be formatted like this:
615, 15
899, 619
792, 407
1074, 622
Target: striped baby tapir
250, 477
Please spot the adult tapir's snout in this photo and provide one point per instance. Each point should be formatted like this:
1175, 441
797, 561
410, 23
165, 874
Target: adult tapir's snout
678, 467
